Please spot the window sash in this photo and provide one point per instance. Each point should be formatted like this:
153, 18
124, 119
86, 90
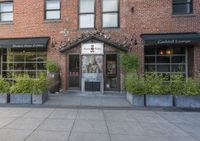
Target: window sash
188, 6
86, 14
106, 4
52, 10
113, 13
8, 12
89, 17
113, 17
83, 8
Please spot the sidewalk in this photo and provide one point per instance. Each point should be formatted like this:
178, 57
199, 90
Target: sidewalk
50, 124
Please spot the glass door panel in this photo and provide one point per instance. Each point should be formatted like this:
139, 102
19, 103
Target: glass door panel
74, 71
111, 76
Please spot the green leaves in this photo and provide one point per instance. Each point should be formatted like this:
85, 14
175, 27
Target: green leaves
129, 62
52, 66
24, 84
157, 84
4, 86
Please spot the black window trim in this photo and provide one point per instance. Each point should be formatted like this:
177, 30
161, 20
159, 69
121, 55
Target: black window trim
46, 10
182, 3
86, 13
3, 2
114, 12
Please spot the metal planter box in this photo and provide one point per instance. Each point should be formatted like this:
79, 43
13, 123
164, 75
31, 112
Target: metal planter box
20, 98
159, 100
187, 101
136, 100
3, 98
39, 99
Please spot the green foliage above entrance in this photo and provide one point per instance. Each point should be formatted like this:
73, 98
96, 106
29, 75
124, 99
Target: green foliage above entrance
52, 66
129, 61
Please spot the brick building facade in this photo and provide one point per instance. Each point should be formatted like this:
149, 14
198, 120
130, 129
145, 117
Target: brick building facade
164, 35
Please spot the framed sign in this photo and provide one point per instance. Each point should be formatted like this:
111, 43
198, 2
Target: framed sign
92, 48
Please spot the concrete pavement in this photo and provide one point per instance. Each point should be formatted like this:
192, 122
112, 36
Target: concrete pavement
78, 99
56, 124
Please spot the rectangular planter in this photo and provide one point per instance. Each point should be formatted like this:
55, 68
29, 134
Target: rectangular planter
20, 98
39, 99
187, 101
3, 98
136, 100
159, 100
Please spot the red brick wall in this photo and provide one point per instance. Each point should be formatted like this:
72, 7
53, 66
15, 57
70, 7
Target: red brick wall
149, 16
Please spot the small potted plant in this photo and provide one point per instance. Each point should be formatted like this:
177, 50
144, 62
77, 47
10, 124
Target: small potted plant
39, 90
157, 91
4, 90
186, 92
20, 91
53, 76
135, 89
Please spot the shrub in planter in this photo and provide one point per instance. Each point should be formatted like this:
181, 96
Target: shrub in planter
135, 87
129, 62
157, 91
21, 90
53, 76
4, 90
186, 93
39, 90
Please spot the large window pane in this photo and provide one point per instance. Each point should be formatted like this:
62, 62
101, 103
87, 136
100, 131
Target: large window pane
7, 17
110, 20
52, 9
178, 59
182, 6
181, 9
52, 4
6, 11
165, 60
110, 5
23, 61
149, 50
6, 7
87, 6
163, 68
87, 21
53, 15
150, 59
178, 68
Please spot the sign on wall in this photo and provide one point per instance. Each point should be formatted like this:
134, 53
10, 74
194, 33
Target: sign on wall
92, 48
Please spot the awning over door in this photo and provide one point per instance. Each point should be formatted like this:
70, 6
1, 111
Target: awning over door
188, 38
38, 42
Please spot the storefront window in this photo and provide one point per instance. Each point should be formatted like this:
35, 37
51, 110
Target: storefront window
166, 60
20, 61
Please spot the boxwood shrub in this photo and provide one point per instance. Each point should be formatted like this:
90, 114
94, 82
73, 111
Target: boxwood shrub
4, 86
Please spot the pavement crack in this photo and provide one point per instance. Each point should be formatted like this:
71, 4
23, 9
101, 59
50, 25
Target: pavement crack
73, 125
106, 125
39, 125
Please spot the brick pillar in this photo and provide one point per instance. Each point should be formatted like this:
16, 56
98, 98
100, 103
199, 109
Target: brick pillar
196, 68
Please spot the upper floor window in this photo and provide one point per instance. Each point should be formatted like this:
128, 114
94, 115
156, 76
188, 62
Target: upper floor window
182, 7
110, 13
6, 11
86, 13
52, 8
